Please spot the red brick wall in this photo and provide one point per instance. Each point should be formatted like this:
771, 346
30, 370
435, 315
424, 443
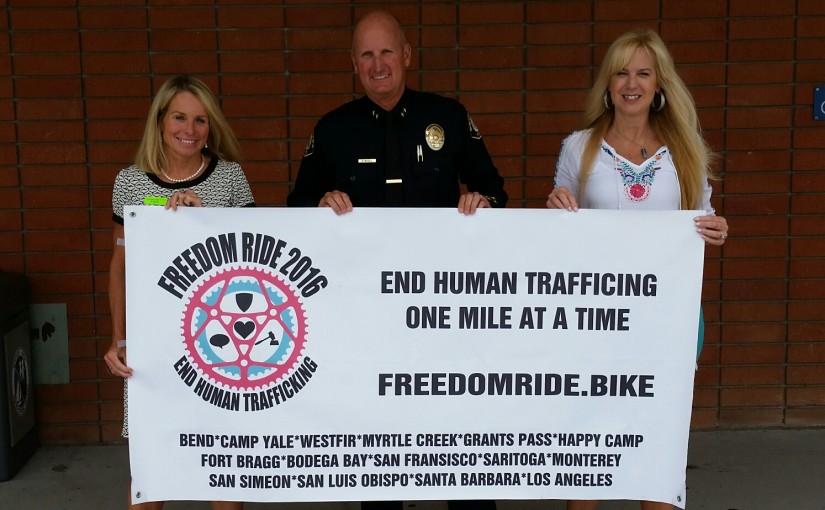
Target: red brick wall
76, 79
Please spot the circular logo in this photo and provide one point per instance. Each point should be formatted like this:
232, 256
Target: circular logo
244, 328
21, 383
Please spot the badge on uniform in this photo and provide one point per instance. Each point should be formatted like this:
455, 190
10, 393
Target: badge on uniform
310, 148
473, 128
434, 134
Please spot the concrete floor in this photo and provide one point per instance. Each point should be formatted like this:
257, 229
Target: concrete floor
727, 470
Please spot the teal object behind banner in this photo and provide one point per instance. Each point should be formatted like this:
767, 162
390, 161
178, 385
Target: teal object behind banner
701, 340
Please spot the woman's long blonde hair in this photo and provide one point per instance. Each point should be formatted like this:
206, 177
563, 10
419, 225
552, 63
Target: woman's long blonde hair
676, 125
221, 140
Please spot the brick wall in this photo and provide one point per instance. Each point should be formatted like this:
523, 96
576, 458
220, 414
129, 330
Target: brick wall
77, 76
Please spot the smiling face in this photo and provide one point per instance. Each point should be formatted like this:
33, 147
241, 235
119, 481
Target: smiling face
381, 56
184, 127
632, 87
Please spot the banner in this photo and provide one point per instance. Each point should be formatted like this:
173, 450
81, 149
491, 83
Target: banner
410, 354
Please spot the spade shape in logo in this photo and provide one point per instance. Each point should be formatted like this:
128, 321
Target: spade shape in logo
243, 300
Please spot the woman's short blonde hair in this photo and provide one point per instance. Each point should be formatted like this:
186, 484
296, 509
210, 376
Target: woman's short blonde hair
221, 141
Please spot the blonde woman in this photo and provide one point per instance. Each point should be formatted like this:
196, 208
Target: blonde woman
187, 158
641, 148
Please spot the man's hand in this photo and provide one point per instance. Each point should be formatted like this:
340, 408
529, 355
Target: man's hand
469, 202
338, 200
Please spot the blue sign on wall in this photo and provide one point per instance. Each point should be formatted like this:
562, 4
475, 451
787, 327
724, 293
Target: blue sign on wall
819, 103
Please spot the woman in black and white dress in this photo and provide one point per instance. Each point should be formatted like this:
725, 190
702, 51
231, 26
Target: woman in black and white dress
187, 158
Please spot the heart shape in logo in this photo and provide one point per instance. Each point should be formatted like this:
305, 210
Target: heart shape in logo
244, 328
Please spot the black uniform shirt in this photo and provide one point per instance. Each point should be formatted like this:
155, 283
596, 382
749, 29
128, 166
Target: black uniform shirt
438, 147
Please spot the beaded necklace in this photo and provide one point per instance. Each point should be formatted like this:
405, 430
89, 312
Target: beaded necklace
637, 184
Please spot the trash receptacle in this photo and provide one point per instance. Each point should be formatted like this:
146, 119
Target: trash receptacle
18, 435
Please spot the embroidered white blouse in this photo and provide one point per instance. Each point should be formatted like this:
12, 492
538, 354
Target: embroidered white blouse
617, 183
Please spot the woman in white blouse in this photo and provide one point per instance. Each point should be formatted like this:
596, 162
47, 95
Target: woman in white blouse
641, 148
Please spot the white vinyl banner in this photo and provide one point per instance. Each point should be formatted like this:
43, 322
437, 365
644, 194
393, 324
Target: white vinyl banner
410, 354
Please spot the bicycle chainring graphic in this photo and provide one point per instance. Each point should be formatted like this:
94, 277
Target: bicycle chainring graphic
244, 328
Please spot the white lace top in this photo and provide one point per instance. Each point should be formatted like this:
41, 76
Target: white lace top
617, 183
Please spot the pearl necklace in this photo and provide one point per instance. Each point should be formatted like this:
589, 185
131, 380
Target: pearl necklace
169, 177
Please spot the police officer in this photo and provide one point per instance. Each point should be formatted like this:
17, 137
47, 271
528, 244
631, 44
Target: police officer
396, 147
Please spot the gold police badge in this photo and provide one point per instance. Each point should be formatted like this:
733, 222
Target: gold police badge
434, 134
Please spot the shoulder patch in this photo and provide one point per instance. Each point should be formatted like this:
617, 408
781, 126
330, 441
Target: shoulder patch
473, 128
310, 148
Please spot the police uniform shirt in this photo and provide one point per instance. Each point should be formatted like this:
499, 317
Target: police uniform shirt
438, 146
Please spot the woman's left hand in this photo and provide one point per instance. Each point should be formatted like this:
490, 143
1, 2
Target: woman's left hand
184, 198
713, 229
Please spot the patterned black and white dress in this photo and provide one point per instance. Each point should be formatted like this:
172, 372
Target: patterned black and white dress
222, 184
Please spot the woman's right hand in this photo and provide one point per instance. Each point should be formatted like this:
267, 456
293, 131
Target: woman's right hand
115, 359
183, 198
562, 198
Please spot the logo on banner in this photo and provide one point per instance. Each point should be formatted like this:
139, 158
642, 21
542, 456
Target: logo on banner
243, 326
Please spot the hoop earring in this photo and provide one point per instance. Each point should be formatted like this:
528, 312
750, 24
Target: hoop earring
608, 103
661, 97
